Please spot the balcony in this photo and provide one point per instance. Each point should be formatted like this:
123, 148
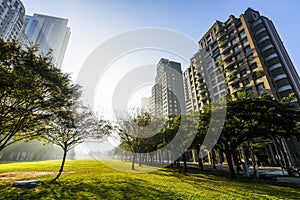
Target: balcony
221, 35
201, 84
279, 77
223, 42
225, 49
274, 55
227, 57
260, 31
202, 91
236, 89
214, 47
264, 39
229, 64
231, 72
203, 98
235, 80
256, 23
284, 88
276, 66
267, 47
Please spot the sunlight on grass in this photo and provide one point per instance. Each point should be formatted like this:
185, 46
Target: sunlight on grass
90, 179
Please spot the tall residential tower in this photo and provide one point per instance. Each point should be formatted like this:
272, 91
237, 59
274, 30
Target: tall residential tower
243, 54
248, 55
167, 95
48, 33
11, 20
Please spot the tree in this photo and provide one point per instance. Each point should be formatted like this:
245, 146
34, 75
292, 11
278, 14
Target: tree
251, 118
202, 128
30, 89
73, 125
132, 131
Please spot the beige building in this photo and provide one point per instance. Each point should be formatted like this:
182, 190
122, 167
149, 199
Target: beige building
242, 54
249, 54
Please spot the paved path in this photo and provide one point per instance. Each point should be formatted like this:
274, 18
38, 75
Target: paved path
272, 173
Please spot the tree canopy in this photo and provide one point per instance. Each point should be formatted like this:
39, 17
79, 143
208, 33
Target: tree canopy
31, 89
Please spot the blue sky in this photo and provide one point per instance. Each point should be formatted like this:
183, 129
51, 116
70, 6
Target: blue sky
93, 22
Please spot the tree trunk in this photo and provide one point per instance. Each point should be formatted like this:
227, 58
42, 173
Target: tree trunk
236, 162
200, 161
62, 165
133, 160
184, 162
213, 158
255, 173
140, 160
285, 157
230, 165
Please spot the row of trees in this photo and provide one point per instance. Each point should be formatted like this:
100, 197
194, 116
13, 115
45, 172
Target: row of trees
246, 120
38, 101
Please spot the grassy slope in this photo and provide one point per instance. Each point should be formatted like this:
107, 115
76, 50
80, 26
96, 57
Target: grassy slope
93, 180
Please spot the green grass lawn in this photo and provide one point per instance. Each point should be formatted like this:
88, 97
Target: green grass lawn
84, 179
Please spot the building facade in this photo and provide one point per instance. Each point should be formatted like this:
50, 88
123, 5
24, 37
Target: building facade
48, 33
243, 54
167, 95
246, 54
12, 14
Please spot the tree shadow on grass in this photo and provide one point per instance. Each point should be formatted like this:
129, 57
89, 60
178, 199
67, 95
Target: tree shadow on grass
215, 181
128, 188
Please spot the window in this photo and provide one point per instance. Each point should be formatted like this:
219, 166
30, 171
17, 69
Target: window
218, 57
235, 48
218, 72
246, 81
249, 58
253, 66
236, 86
222, 86
260, 86
247, 48
257, 74
249, 91
244, 40
238, 56
242, 33
231, 33
233, 41
240, 64
243, 72
215, 89
220, 79
231, 68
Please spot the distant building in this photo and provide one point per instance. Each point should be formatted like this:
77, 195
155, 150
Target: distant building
167, 95
146, 104
48, 33
11, 20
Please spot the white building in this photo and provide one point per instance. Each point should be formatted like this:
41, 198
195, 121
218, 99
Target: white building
11, 20
48, 33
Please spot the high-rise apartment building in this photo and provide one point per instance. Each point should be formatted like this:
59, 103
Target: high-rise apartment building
249, 53
243, 54
48, 33
11, 20
167, 95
